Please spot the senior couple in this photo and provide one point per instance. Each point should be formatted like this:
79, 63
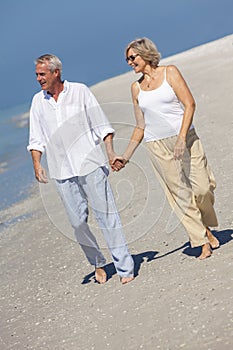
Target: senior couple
68, 124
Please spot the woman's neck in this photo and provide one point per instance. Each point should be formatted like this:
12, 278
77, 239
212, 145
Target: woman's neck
150, 74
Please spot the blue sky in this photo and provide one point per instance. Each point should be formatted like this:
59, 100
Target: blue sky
90, 36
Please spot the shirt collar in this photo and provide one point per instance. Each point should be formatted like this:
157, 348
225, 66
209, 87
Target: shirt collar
48, 96
65, 86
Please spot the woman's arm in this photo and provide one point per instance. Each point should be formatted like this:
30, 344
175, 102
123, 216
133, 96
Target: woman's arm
138, 132
181, 89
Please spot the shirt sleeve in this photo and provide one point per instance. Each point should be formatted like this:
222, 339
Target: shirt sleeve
97, 118
36, 138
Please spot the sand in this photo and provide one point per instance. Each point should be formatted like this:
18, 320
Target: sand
49, 299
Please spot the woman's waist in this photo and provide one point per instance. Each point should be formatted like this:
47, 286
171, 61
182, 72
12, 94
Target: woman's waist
154, 133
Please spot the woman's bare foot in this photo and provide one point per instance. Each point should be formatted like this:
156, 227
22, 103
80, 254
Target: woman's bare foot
214, 242
125, 280
206, 251
100, 275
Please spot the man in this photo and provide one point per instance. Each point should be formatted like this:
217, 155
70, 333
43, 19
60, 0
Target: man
67, 123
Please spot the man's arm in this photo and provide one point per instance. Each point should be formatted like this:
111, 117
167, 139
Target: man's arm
40, 172
117, 164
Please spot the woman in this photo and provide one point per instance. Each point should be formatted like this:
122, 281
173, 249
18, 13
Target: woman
164, 109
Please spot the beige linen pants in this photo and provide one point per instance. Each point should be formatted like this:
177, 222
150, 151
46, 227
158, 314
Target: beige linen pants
188, 184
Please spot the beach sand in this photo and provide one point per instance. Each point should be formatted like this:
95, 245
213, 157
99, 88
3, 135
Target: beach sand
49, 300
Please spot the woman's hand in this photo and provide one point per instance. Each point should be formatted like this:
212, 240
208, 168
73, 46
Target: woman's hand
179, 147
117, 163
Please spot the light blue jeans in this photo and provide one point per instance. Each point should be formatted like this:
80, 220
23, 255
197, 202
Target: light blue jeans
93, 190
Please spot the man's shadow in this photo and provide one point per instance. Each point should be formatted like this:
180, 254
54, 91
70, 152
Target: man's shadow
223, 236
111, 271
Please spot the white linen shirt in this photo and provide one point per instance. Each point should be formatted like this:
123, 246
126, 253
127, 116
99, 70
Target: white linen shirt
69, 131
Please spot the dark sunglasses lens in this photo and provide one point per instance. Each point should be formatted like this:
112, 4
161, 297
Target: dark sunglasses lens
131, 58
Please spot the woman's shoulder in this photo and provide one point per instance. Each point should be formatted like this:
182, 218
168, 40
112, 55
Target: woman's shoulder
135, 89
173, 74
172, 69
167, 70
136, 85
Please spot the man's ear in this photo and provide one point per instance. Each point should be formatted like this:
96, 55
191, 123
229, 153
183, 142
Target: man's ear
57, 72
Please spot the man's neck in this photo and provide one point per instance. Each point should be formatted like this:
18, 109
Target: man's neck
56, 90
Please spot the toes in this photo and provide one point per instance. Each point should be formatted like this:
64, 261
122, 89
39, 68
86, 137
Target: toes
214, 242
206, 251
204, 256
125, 280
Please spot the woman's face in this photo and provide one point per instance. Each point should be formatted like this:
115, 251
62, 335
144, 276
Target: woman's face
135, 61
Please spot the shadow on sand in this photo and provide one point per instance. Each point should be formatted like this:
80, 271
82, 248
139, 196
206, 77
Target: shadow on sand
223, 236
110, 269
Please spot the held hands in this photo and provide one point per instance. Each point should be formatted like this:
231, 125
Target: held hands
117, 163
179, 148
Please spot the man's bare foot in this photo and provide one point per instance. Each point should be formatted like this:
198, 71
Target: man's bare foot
100, 275
214, 242
206, 251
125, 280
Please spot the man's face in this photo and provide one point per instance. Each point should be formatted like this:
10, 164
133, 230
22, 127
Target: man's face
46, 78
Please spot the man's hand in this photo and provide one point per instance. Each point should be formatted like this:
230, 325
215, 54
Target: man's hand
40, 172
40, 175
117, 163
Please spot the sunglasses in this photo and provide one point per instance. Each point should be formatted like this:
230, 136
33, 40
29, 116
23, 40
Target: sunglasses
131, 57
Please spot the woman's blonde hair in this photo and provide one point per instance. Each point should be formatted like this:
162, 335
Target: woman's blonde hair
145, 48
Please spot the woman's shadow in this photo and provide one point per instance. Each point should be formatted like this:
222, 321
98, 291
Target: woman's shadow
223, 236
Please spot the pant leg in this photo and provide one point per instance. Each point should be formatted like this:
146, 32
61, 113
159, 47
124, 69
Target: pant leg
177, 188
76, 205
102, 202
202, 180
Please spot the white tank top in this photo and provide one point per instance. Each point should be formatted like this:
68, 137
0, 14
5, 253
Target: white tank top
163, 112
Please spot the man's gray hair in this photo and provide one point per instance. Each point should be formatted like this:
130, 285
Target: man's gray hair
53, 62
